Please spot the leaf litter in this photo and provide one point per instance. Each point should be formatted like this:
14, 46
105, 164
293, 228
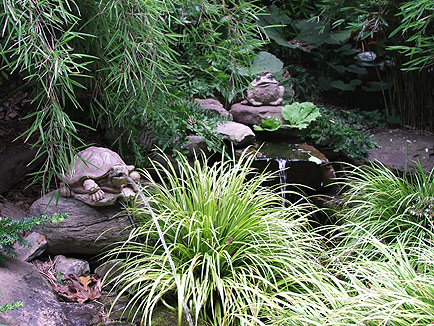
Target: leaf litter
70, 287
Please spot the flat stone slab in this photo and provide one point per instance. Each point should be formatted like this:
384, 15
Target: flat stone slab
20, 281
401, 149
38, 243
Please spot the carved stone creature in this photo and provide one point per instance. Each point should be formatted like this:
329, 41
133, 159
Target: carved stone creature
98, 176
264, 90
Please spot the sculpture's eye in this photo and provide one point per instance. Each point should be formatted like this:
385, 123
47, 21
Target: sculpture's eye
258, 78
270, 76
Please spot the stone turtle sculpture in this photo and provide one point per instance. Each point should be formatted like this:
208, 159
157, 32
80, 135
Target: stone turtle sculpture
264, 90
98, 176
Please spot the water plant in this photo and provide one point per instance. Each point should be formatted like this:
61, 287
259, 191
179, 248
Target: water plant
236, 249
269, 124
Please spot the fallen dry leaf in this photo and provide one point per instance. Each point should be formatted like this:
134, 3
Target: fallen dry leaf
40, 239
85, 280
74, 289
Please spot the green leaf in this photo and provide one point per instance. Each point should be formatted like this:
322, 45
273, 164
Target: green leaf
317, 33
375, 87
339, 37
277, 35
269, 124
300, 115
357, 69
311, 32
351, 86
273, 23
266, 62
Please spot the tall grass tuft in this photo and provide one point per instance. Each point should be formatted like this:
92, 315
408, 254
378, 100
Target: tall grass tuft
394, 288
240, 256
386, 205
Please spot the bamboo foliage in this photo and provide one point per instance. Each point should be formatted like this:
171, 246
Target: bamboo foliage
37, 39
131, 49
412, 98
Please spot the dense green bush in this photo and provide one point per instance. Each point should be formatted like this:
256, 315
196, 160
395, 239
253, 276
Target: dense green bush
343, 131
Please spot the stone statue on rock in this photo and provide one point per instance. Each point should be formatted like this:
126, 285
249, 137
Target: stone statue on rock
98, 176
264, 90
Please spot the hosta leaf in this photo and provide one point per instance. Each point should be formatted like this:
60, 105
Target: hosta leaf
300, 115
266, 62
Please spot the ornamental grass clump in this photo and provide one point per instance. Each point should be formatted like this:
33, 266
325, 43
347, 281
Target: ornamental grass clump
238, 253
388, 206
394, 285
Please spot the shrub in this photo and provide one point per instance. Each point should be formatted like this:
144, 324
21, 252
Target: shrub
343, 132
11, 231
239, 254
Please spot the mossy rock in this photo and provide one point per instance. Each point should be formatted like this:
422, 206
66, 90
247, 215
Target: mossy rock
163, 316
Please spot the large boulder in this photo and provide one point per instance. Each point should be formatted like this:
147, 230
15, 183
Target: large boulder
215, 106
20, 281
253, 115
15, 163
9, 209
400, 149
236, 133
87, 230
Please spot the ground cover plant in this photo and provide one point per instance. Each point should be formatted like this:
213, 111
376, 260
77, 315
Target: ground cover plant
386, 284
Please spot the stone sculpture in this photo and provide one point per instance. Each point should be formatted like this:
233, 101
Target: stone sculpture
98, 176
264, 90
